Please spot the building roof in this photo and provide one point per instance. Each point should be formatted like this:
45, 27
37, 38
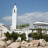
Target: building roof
41, 23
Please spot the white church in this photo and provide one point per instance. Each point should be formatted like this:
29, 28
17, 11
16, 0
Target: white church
10, 29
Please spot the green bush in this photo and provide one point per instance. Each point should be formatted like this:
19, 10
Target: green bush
8, 36
14, 36
23, 36
39, 30
35, 35
45, 37
39, 34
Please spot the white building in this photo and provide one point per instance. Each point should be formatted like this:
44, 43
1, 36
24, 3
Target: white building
3, 29
10, 29
42, 25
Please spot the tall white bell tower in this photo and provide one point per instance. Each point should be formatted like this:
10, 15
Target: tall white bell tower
14, 17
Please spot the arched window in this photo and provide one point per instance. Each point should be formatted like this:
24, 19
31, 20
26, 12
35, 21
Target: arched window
14, 10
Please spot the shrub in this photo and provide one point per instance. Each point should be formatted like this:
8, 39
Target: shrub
39, 35
8, 36
45, 37
23, 36
14, 36
35, 35
39, 32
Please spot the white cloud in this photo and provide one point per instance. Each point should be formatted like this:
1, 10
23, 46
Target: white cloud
7, 18
30, 17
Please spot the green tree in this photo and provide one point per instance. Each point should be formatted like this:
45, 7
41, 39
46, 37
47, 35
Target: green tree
24, 25
27, 24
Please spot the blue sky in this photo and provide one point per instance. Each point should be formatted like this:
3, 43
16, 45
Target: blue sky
32, 8
23, 6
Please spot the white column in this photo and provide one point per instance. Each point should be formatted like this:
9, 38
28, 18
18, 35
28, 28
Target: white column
26, 32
